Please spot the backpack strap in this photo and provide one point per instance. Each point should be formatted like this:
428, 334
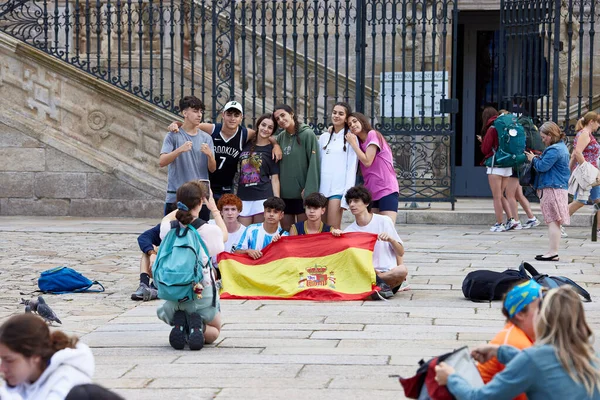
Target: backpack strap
581, 291
198, 222
527, 269
212, 281
81, 290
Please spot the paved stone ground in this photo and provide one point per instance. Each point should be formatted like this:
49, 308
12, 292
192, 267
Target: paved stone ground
277, 349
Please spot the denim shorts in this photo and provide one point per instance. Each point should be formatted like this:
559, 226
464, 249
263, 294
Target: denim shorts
594, 195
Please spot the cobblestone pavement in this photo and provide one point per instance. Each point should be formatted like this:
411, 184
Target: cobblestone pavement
277, 349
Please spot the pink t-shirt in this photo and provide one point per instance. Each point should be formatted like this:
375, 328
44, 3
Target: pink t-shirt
380, 177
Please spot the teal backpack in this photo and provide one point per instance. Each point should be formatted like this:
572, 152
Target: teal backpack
178, 265
511, 143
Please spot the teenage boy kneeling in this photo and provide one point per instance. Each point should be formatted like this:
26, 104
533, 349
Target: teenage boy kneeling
258, 236
388, 251
315, 205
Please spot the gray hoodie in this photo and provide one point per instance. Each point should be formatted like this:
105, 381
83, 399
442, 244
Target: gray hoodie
67, 368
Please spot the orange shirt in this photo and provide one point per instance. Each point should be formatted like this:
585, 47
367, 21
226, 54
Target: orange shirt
512, 336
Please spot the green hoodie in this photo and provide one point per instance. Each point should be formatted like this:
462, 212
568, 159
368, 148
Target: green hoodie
300, 166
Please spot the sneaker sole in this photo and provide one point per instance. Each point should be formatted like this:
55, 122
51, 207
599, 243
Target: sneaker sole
196, 338
177, 335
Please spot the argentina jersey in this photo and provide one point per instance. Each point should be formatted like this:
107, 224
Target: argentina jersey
256, 238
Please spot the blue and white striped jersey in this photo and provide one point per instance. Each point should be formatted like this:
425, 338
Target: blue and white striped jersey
256, 238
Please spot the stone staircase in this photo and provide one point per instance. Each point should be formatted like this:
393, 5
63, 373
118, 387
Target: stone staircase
72, 144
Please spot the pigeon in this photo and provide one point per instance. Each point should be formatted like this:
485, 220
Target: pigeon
28, 309
32, 304
46, 312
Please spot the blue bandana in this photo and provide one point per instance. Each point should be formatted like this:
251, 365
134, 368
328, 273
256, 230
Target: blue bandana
522, 295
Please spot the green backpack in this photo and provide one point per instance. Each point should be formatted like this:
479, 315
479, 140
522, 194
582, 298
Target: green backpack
511, 143
533, 141
178, 266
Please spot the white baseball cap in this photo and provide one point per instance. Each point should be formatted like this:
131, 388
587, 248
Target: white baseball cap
235, 105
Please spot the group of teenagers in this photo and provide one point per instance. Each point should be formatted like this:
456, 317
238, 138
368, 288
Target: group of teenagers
243, 189
558, 173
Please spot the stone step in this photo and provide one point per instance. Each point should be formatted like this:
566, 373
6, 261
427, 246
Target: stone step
467, 211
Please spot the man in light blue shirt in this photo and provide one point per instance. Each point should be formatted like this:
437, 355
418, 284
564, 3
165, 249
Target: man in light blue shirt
258, 236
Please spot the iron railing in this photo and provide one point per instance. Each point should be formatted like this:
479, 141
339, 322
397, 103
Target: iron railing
391, 59
547, 58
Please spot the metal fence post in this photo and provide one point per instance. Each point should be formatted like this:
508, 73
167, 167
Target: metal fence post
556, 48
361, 44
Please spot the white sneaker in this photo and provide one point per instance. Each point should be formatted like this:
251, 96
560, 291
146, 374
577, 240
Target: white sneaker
531, 223
519, 226
497, 228
563, 233
511, 224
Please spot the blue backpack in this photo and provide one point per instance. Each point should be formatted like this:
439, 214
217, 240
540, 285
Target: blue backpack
511, 143
62, 280
178, 266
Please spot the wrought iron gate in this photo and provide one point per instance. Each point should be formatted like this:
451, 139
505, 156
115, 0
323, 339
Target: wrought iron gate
547, 59
391, 59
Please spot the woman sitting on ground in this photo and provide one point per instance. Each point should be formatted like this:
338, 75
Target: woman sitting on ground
561, 365
39, 364
521, 305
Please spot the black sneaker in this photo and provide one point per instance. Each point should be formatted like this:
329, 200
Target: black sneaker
385, 291
196, 332
177, 335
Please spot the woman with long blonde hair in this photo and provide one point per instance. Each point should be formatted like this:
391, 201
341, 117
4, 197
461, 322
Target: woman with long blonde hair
562, 364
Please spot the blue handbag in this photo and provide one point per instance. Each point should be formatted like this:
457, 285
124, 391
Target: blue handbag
61, 280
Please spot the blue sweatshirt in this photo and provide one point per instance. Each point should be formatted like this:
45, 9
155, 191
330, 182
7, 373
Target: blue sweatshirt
535, 371
149, 238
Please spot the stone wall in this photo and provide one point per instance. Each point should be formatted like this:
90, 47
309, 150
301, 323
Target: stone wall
72, 145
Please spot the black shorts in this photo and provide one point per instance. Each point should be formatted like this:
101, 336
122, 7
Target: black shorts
294, 206
386, 203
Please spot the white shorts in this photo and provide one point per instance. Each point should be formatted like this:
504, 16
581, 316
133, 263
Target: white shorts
252, 208
502, 171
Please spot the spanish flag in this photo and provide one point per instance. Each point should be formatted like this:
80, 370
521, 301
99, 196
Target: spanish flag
307, 267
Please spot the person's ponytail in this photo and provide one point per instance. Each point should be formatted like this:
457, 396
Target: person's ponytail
58, 341
579, 125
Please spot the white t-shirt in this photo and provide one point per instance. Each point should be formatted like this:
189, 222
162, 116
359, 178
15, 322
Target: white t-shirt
232, 239
210, 234
384, 256
338, 167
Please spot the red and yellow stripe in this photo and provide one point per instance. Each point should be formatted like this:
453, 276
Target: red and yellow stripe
308, 267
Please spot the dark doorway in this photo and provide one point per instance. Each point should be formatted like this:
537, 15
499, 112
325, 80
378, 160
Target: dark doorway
477, 84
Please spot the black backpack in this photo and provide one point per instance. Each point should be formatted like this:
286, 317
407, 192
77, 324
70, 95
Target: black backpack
533, 139
485, 285
551, 282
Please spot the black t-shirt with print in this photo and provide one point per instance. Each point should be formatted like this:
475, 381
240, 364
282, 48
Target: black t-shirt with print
256, 169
